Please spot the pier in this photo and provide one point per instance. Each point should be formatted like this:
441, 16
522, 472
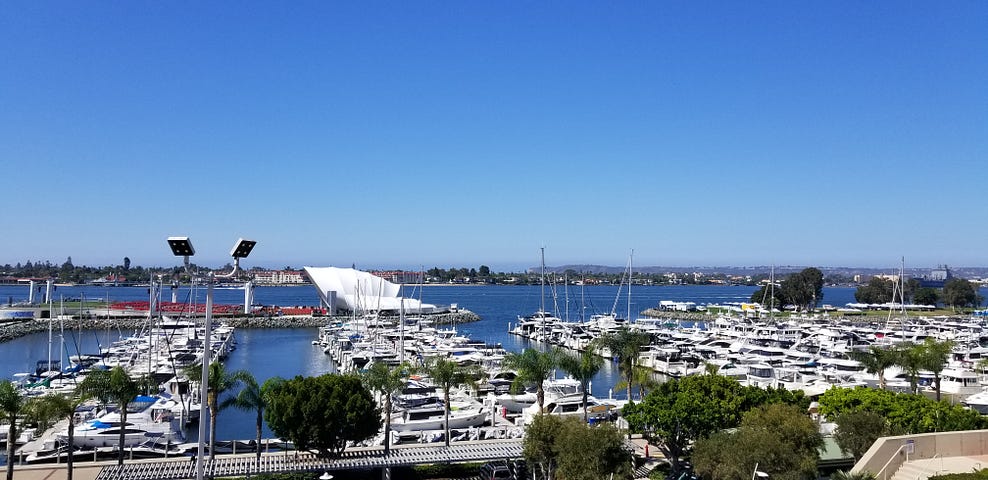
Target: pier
354, 458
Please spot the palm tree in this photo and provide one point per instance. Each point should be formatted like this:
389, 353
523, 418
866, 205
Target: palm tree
910, 357
11, 405
642, 378
220, 381
112, 386
582, 368
447, 374
849, 475
876, 360
53, 407
625, 345
934, 358
253, 397
535, 367
386, 382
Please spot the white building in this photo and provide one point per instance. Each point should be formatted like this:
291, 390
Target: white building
279, 277
354, 290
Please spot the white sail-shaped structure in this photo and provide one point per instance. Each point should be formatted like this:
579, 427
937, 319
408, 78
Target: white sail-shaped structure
355, 290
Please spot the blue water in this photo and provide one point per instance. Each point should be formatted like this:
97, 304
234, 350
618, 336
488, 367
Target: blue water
288, 352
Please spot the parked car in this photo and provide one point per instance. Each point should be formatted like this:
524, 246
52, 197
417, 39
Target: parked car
496, 470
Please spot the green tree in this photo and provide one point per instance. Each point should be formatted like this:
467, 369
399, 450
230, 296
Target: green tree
533, 367
52, 407
220, 381
780, 439
857, 431
878, 291
582, 367
591, 452
904, 413
926, 296
624, 345
447, 374
958, 292
912, 358
876, 359
539, 446
679, 412
114, 386
847, 475
386, 382
254, 398
11, 406
804, 289
935, 355
323, 413
574, 450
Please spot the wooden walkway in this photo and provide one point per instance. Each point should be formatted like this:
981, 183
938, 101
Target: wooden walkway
366, 458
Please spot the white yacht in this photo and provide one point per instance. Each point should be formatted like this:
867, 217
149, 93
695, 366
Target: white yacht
147, 418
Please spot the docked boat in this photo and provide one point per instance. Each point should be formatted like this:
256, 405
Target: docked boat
431, 416
147, 418
977, 402
554, 388
572, 406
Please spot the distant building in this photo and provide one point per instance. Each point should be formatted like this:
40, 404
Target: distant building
399, 276
279, 277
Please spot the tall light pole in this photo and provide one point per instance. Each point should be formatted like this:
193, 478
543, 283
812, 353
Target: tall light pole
182, 247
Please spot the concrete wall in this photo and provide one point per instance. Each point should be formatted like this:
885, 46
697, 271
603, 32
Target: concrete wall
947, 444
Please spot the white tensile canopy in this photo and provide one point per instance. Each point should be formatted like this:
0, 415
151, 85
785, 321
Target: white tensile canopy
361, 291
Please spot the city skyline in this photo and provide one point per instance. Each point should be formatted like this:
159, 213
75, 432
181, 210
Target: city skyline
391, 135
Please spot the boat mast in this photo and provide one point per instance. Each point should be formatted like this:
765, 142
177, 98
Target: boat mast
542, 287
630, 273
566, 293
401, 323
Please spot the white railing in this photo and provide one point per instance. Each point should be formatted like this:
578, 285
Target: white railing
883, 473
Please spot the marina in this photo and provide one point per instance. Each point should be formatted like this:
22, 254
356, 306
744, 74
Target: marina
799, 353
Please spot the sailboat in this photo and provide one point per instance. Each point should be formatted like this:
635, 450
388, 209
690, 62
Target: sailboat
538, 325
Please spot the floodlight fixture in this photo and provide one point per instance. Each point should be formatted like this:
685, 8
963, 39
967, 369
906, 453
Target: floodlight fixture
181, 246
242, 248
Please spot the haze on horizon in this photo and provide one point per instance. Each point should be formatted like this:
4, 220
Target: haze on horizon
391, 135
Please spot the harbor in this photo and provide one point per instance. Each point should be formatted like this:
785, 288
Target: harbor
489, 325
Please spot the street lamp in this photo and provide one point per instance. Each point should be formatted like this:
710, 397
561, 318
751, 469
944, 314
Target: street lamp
182, 247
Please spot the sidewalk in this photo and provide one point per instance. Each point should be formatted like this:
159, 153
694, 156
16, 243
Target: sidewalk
651, 455
83, 471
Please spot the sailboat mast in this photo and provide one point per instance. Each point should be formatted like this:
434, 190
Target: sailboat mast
401, 323
631, 259
542, 285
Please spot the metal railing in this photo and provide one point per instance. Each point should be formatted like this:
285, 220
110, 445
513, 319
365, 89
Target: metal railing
883, 473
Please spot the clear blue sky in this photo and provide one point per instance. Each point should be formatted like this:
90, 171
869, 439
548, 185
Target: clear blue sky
400, 134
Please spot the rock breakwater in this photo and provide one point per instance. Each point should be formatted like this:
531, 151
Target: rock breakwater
12, 330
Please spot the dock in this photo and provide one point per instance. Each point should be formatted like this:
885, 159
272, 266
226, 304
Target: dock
242, 465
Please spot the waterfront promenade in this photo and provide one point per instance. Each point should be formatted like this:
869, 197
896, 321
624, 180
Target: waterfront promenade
242, 465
